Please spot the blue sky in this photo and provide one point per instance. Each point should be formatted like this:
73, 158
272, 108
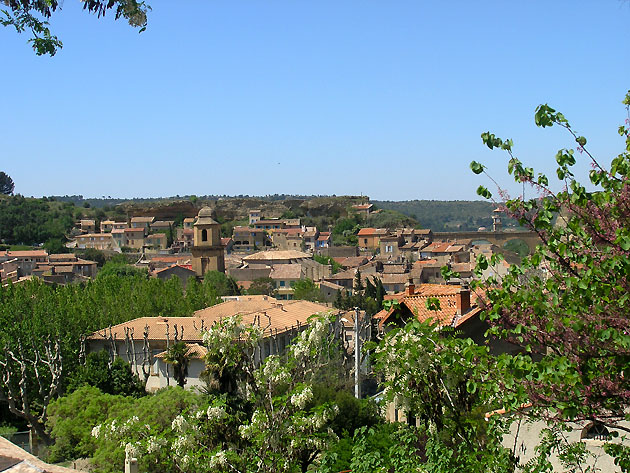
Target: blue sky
384, 98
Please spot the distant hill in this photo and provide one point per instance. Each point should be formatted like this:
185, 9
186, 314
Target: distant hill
446, 215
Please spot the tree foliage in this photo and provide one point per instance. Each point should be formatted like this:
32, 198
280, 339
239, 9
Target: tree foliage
6, 184
32, 16
39, 319
177, 356
32, 221
305, 289
110, 377
568, 303
259, 417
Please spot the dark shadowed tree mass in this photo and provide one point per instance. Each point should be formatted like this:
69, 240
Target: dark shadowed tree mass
6, 183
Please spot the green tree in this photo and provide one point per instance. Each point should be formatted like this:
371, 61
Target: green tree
306, 289
73, 417
110, 377
264, 286
567, 303
55, 245
32, 15
114, 268
177, 356
327, 260
222, 284
6, 184
92, 254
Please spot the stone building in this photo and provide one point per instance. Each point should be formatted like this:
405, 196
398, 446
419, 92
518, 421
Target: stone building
207, 251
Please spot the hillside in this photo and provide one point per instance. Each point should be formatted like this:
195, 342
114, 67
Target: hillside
444, 216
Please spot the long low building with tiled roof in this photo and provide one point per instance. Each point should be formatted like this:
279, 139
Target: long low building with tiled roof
141, 340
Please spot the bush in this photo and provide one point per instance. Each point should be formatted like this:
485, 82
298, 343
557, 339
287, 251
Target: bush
117, 379
72, 418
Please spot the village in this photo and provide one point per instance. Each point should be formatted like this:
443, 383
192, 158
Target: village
314, 237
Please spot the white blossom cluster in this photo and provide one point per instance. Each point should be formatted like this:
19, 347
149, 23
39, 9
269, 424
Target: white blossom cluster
302, 397
218, 459
132, 450
155, 444
216, 413
223, 334
311, 338
180, 424
115, 429
259, 422
273, 371
180, 446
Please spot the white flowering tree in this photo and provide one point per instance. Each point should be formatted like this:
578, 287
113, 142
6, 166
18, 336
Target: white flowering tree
447, 383
259, 418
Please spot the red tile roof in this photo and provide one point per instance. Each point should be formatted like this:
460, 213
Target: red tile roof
447, 296
26, 253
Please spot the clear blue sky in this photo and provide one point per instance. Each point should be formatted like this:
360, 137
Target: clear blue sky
384, 98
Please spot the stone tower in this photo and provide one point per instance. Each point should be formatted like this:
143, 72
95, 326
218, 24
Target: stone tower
496, 220
207, 250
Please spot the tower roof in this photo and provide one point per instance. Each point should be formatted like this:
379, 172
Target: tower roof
206, 217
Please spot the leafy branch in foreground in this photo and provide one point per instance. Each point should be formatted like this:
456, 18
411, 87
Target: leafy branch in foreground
568, 303
33, 15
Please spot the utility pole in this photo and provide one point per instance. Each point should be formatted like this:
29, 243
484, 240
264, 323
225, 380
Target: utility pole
357, 355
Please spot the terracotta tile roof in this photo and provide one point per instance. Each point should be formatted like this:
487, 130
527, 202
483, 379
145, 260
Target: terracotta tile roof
362, 206
288, 231
266, 311
171, 259
392, 278
394, 268
462, 267
331, 285
279, 314
446, 294
443, 247
173, 267
323, 237
26, 253
245, 284
276, 255
156, 328
96, 235
286, 271
194, 351
133, 230
13, 459
424, 262
225, 241
142, 219
367, 232
348, 274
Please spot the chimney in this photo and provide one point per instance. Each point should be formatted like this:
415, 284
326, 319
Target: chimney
463, 300
411, 287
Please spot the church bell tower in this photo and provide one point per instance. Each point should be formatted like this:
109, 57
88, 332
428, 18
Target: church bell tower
207, 250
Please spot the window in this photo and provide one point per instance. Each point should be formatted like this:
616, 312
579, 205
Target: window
204, 235
365, 241
595, 431
282, 283
389, 248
